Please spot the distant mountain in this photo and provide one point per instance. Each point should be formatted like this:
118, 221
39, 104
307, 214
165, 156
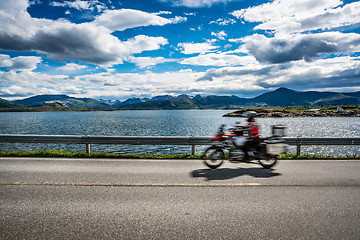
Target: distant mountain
281, 97
220, 101
161, 97
131, 101
64, 100
108, 101
173, 103
7, 104
140, 100
354, 94
288, 97
188, 102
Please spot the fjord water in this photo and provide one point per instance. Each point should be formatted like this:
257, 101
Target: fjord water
164, 123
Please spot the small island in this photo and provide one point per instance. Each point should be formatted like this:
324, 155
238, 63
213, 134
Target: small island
290, 112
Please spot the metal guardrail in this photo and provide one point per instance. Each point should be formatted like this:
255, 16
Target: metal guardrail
299, 141
87, 140
157, 140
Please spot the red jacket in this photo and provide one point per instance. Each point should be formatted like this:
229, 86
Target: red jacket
254, 130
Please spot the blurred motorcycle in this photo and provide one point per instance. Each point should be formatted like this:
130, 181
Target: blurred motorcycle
229, 146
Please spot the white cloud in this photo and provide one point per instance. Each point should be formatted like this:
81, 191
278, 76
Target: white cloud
25, 63
223, 22
235, 40
291, 21
341, 73
15, 20
144, 62
163, 13
291, 57
219, 59
18, 91
5, 60
178, 19
21, 63
26, 83
291, 16
221, 35
81, 5
119, 20
196, 3
71, 67
299, 46
337, 73
142, 43
91, 42
13, 7
191, 48
280, 9
245, 73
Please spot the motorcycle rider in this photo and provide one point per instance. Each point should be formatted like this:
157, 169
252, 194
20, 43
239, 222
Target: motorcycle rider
253, 133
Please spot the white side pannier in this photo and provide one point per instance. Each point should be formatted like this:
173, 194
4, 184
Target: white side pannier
275, 147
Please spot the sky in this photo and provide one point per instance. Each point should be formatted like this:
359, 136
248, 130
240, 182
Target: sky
118, 49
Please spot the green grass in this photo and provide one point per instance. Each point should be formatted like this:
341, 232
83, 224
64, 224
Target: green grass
53, 153
67, 154
308, 156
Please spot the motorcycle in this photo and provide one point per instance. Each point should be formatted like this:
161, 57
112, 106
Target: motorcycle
228, 146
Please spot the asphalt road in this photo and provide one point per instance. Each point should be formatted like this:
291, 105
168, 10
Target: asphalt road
178, 199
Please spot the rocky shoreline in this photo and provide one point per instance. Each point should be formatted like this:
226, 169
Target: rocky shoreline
298, 114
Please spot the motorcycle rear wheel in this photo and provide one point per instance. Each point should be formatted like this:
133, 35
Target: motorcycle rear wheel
213, 157
268, 162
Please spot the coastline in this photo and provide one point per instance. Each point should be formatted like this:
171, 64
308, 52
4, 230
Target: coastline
295, 114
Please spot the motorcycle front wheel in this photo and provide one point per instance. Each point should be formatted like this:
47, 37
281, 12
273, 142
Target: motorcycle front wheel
268, 162
213, 157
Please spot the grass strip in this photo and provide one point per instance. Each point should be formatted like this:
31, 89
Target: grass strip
54, 153
49, 153
290, 156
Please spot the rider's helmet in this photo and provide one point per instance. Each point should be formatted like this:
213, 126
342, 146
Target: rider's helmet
249, 114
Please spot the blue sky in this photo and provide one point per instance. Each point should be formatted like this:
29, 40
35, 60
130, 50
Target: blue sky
116, 49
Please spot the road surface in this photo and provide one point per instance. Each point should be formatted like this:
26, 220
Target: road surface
178, 199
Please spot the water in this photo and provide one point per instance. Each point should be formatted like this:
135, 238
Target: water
164, 123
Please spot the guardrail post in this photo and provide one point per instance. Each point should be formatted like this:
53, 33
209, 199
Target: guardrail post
88, 148
193, 149
298, 150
